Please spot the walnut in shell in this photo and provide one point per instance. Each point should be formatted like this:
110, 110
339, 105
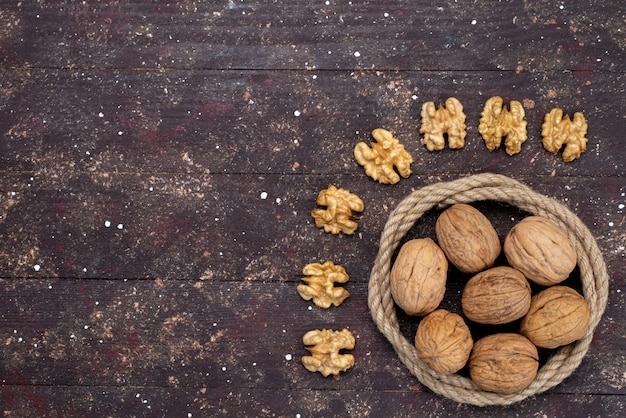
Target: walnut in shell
503, 363
495, 296
443, 341
540, 249
467, 238
418, 277
558, 316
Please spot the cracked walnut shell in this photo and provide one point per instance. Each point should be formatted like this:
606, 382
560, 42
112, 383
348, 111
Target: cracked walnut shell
448, 120
385, 154
418, 277
497, 122
443, 341
496, 296
319, 284
558, 316
338, 215
557, 131
503, 363
540, 249
467, 238
324, 346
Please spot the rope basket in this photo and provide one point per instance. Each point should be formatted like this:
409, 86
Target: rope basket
593, 275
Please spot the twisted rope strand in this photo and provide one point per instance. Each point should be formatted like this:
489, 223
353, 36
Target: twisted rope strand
487, 186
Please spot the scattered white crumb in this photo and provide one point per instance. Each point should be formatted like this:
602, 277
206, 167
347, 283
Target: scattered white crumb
37, 267
357, 54
288, 357
297, 113
263, 195
120, 226
107, 224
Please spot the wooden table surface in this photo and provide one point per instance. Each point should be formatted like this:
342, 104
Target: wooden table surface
159, 162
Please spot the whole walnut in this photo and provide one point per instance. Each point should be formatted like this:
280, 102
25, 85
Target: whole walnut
443, 341
418, 276
540, 249
467, 238
558, 316
496, 296
504, 363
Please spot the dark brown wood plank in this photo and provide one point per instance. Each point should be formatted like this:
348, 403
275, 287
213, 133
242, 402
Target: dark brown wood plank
461, 35
37, 401
238, 335
233, 227
159, 162
201, 122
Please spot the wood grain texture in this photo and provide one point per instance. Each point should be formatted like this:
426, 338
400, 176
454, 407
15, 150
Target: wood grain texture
159, 162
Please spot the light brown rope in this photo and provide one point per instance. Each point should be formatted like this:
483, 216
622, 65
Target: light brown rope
593, 274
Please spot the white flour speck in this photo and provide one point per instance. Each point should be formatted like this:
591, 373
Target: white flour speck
296, 113
620, 206
278, 200
474, 22
37, 267
288, 357
101, 114
107, 224
357, 54
120, 226
263, 195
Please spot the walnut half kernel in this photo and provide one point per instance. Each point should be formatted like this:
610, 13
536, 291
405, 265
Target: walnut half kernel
319, 284
448, 120
380, 159
558, 131
324, 346
497, 122
339, 213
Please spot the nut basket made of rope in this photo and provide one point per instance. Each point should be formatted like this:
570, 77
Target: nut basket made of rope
495, 187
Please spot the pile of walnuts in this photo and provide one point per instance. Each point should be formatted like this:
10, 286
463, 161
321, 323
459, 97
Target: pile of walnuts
536, 250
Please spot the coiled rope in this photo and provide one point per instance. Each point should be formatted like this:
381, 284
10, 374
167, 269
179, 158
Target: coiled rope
486, 186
